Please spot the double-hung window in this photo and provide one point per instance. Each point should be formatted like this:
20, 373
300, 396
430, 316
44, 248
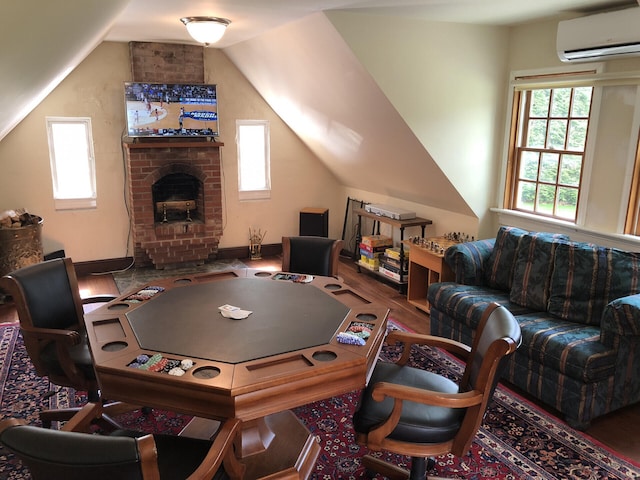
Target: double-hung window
72, 162
254, 177
547, 150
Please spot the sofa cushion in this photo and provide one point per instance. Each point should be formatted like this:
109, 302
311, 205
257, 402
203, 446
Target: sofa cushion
567, 347
466, 303
587, 277
532, 269
499, 268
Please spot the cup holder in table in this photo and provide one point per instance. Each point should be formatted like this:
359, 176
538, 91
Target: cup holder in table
333, 286
118, 306
114, 346
182, 281
262, 273
324, 356
366, 317
206, 373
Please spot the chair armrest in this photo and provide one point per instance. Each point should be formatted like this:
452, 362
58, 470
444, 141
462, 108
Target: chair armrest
409, 339
66, 337
222, 450
427, 397
467, 260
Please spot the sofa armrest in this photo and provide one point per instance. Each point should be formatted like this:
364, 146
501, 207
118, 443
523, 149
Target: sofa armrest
621, 317
467, 260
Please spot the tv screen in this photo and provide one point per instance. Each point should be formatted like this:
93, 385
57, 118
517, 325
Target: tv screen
171, 110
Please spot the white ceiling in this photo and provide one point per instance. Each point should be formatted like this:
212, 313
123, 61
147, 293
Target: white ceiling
159, 20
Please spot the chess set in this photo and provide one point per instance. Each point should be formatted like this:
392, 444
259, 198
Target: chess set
438, 245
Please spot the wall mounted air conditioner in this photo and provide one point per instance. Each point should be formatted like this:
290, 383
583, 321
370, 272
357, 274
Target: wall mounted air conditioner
600, 36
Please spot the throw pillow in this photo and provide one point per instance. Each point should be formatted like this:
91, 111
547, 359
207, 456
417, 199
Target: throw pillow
587, 277
532, 269
500, 263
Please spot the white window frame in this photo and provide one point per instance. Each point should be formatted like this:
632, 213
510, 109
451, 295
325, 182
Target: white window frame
83, 164
247, 158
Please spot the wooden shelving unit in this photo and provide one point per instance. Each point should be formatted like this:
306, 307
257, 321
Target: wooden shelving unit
401, 225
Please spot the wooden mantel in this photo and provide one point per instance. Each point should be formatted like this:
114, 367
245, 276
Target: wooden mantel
178, 144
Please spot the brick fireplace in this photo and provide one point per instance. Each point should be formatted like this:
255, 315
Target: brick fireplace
175, 202
174, 189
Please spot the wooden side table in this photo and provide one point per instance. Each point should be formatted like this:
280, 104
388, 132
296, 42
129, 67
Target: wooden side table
426, 266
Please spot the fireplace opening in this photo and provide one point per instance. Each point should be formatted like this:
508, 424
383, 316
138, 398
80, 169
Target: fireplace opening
177, 197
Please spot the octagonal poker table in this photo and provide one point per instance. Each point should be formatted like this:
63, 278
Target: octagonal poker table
285, 353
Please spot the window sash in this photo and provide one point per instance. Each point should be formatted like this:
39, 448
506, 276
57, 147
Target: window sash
72, 162
254, 177
518, 131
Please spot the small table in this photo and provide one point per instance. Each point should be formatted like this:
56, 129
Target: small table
285, 354
426, 266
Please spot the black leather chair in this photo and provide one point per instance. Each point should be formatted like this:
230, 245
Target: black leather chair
311, 255
51, 314
410, 411
68, 454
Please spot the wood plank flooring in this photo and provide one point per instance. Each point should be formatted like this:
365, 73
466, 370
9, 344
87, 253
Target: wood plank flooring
618, 430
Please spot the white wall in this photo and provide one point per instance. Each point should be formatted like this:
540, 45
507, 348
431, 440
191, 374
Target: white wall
448, 83
95, 89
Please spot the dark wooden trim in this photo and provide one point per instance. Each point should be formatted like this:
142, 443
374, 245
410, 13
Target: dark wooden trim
163, 143
114, 264
102, 266
243, 252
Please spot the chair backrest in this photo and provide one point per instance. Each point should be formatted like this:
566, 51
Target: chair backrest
497, 337
58, 455
311, 255
46, 296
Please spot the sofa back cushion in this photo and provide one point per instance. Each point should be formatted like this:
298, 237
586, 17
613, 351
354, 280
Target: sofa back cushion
587, 277
532, 269
499, 267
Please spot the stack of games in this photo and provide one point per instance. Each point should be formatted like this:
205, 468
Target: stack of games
391, 265
372, 247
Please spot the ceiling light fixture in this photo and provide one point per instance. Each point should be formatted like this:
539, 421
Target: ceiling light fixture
206, 30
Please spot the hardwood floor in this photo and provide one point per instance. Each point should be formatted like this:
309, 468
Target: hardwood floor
618, 430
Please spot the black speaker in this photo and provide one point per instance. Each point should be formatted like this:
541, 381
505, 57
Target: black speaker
314, 222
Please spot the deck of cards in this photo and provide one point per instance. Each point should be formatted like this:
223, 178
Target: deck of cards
230, 311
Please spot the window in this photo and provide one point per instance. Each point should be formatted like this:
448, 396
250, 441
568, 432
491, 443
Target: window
72, 162
254, 178
547, 151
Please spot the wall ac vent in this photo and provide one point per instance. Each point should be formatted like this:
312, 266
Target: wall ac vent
600, 36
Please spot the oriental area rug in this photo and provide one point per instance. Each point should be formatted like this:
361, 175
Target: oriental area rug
516, 441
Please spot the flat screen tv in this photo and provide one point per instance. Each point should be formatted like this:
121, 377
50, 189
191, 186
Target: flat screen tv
171, 110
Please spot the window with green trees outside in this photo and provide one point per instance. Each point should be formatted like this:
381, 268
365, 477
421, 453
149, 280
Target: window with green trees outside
548, 150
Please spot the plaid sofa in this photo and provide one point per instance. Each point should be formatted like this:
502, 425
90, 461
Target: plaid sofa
578, 305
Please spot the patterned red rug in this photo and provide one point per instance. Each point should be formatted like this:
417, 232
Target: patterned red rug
517, 440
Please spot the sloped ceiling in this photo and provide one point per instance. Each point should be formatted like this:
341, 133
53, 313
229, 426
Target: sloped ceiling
325, 95
42, 41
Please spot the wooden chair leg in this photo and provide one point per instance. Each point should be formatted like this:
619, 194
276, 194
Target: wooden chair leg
393, 472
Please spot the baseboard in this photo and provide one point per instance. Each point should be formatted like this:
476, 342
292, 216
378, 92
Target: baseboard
114, 264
